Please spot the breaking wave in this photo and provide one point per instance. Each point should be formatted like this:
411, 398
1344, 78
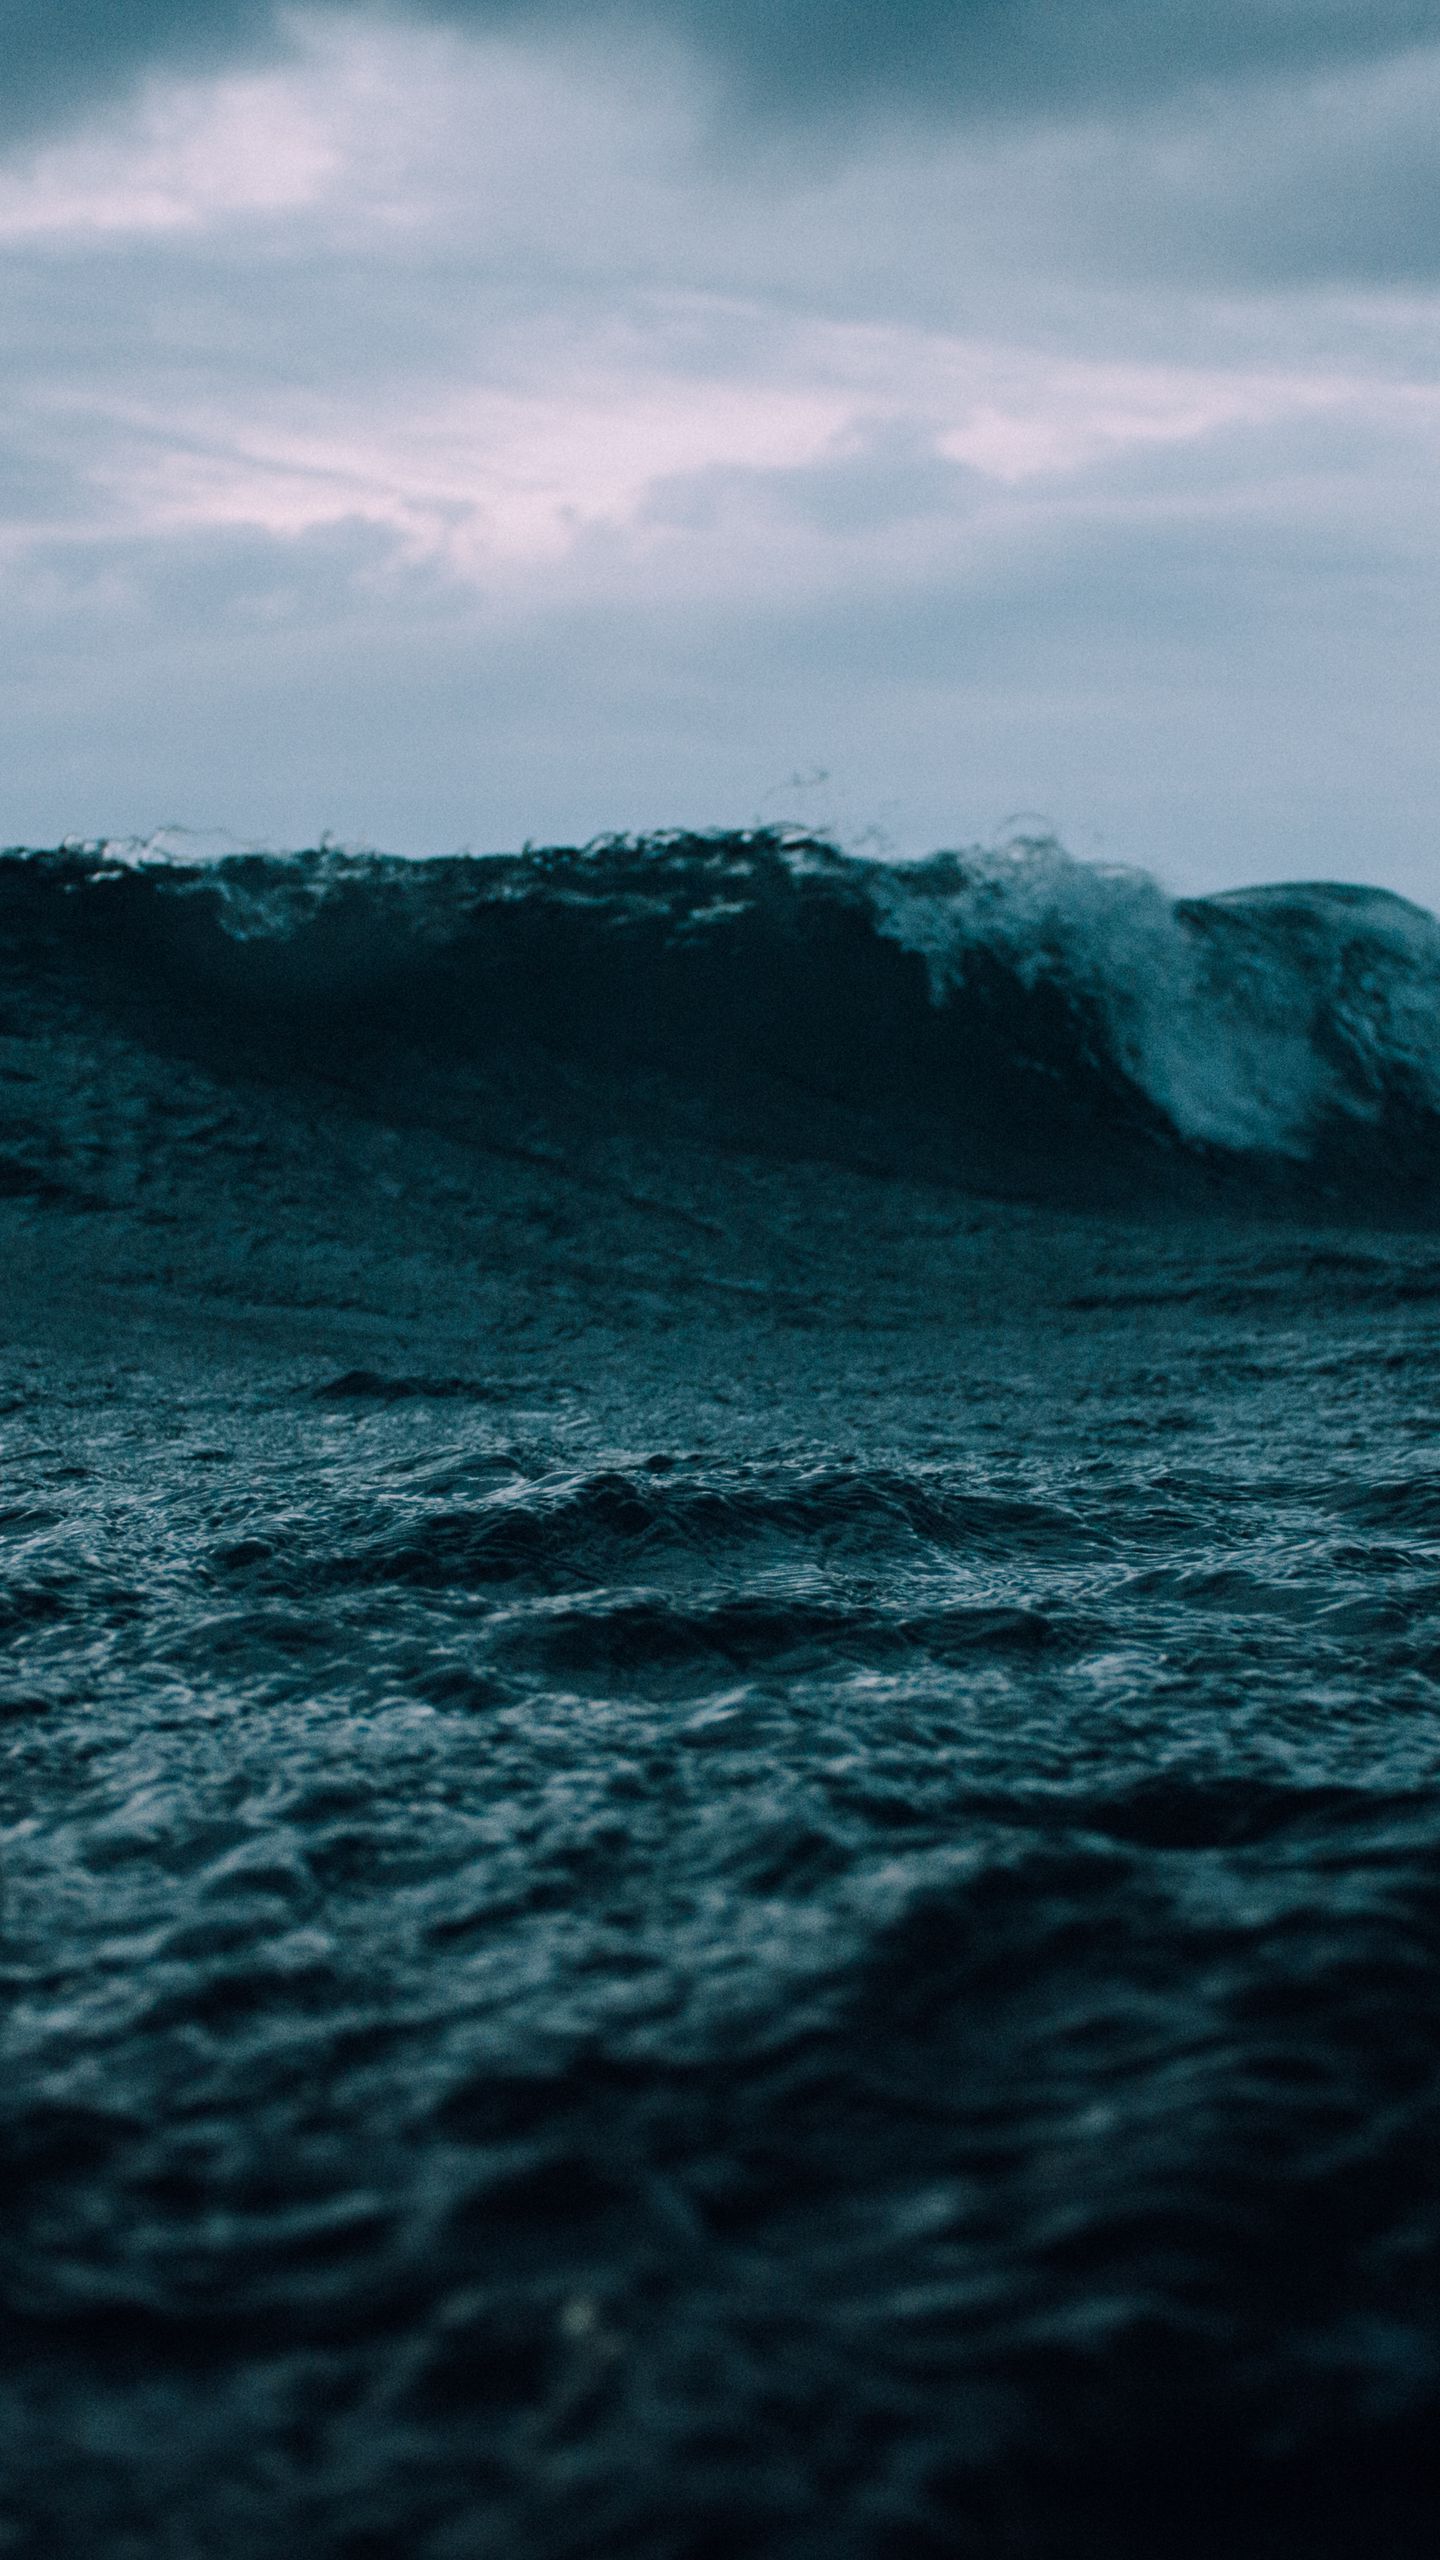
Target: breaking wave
1026, 1018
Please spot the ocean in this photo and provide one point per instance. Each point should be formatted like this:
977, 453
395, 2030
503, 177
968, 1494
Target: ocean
720, 1711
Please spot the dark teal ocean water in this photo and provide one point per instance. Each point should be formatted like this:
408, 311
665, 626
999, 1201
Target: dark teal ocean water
719, 1748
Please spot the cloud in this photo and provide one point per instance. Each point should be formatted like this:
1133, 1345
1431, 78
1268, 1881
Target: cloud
878, 477
437, 440
1223, 689
1338, 187
957, 58
64, 55
1011, 56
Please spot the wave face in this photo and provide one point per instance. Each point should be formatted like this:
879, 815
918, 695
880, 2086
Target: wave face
1016, 1018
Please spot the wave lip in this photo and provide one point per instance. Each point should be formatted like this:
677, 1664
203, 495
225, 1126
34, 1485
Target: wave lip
1253, 1021
1014, 1017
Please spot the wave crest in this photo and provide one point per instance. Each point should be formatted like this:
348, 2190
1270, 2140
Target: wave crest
1249, 1019
1011, 1016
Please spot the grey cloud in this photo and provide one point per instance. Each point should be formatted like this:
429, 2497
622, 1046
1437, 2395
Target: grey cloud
1009, 55
985, 56
62, 55
1216, 652
1166, 682
892, 476
1337, 186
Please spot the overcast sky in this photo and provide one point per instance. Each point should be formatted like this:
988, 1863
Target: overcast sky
454, 424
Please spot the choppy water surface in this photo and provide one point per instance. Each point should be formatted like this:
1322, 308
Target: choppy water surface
719, 1712
570, 1996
